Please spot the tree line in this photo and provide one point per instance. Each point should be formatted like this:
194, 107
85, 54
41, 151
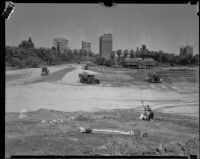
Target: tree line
159, 56
26, 55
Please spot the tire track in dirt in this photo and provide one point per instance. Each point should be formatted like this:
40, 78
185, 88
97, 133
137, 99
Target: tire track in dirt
55, 76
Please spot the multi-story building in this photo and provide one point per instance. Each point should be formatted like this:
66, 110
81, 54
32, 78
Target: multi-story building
186, 51
105, 46
61, 43
139, 63
86, 46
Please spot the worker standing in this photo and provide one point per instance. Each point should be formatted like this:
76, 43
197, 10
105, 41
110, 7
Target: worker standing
148, 113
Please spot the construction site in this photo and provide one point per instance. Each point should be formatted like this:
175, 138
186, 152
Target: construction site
74, 109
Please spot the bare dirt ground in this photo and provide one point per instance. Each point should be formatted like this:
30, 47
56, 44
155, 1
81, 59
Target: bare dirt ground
87, 106
167, 135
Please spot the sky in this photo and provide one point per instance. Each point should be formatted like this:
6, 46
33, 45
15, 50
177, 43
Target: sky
158, 26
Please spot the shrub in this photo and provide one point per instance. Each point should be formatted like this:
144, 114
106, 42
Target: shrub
100, 61
108, 63
14, 61
32, 62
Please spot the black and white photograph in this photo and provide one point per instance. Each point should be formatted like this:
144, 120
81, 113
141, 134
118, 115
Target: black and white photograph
91, 80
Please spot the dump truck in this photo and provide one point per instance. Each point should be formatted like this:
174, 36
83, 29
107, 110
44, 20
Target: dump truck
45, 71
153, 78
88, 78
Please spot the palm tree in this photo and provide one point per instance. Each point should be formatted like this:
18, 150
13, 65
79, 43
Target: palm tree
119, 53
126, 52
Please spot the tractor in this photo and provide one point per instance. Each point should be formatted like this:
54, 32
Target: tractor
153, 78
45, 71
88, 78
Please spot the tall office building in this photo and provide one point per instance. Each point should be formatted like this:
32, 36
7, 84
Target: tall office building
105, 46
61, 43
86, 46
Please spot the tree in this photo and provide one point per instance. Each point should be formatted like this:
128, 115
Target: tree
143, 47
137, 49
9, 52
41, 53
32, 62
14, 61
126, 52
31, 44
65, 57
99, 60
132, 55
119, 53
50, 56
54, 54
158, 56
90, 53
75, 52
164, 58
27, 44
108, 63
112, 55
195, 59
85, 53
81, 53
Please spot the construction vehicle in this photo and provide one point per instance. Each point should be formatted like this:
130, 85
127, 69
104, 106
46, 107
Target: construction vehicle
45, 71
153, 78
86, 67
88, 78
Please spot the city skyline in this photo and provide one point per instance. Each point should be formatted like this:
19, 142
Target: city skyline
131, 25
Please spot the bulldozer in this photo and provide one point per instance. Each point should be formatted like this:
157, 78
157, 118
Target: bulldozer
45, 71
88, 78
153, 78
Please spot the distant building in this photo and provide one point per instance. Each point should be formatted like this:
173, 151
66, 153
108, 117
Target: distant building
86, 46
61, 43
186, 51
105, 46
139, 63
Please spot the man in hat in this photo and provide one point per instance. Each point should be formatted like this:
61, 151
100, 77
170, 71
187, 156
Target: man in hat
148, 112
